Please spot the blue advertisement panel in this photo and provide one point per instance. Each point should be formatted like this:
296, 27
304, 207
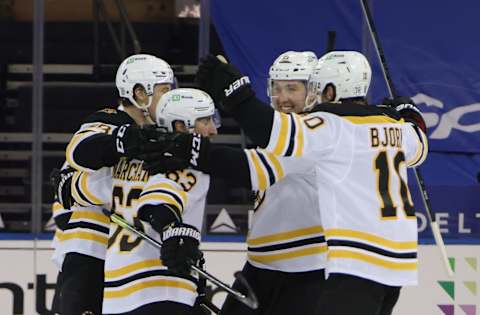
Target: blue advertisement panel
431, 53
432, 56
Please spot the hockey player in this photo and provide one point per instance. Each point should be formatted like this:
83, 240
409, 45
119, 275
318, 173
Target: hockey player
80, 243
286, 251
82, 234
288, 77
358, 155
168, 207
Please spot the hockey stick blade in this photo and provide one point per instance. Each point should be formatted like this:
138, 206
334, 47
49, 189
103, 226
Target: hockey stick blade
249, 300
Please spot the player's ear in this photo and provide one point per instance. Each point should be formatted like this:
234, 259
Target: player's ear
179, 126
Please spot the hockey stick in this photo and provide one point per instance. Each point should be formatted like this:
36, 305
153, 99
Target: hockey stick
332, 36
249, 300
425, 198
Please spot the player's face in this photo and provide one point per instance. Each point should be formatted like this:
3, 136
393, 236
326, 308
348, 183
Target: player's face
288, 95
158, 91
205, 126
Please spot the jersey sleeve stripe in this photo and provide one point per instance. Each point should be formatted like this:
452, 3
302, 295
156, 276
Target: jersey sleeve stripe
77, 193
259, 172
276, 165
271, 174
165, 192
90, 196
422, 150
156, 198
291, 140
76, 139
299, 137
167, 186
283, 134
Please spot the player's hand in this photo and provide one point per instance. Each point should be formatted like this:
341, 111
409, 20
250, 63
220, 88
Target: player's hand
180, 247
223, 81
407, 109
61, 181
180, 151
133, 140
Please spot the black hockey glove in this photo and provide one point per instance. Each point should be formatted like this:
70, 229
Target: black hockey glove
132, 140
180, 151
180, 247
224, 82
61, 181
160, 216
407, 109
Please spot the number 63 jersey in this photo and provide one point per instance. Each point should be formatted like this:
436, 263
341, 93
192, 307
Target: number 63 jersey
134, 274
359, 156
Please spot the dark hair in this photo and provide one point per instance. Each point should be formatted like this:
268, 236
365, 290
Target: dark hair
125, 101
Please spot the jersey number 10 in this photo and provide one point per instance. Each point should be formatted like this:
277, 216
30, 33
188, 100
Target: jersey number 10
382, 167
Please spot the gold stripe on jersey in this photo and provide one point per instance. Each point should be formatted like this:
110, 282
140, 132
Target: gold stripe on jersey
159, 198
125, 270
65, 236
90, 215
259, 171
76, 139
374, 119
76, 191
89, 195
283, 134
313, 250
276, 165
168, 187
268, 169
170, 283
285, 236
374, 260
56, 206
371, 238
299, 138
422, 149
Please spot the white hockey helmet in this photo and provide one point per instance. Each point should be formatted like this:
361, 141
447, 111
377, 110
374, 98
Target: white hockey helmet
292, 65
348, 71
143, 69
183, 104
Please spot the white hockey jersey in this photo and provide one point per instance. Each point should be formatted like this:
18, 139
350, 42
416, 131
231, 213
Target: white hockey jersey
286, 232
134, 274
358, 157
85, 227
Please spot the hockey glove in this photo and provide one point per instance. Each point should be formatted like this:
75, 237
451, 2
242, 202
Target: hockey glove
224, 82
180, 247
160, 216
181, 150
61, 181
132, 140
408, 110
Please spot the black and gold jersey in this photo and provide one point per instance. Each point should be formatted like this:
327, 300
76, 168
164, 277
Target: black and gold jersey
92, 146
358, 158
